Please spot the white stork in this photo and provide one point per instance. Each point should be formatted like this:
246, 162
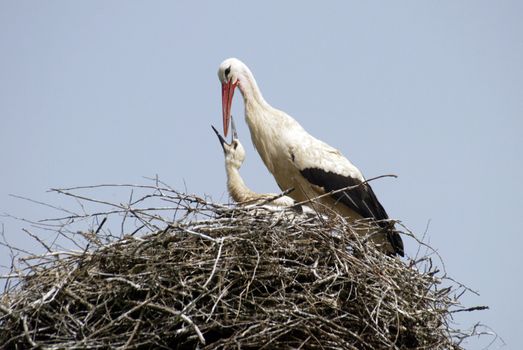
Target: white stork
234, 156
300, 161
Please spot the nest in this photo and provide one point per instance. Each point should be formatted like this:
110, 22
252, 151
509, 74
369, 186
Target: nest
214, 276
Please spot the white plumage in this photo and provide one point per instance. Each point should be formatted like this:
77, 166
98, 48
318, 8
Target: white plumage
234, 154
300, 161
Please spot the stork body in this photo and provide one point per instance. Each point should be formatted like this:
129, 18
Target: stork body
298, 160
234, 156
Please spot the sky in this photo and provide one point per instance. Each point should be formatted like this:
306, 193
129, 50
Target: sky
115, 91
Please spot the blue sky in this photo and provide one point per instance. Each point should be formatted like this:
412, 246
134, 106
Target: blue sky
109, 92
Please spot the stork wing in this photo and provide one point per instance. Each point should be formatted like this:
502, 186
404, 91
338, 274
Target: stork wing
324, 166
361, 198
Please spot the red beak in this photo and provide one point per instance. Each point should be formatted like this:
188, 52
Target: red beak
227, 94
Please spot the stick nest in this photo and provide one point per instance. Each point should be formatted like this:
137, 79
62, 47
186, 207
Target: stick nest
213, 276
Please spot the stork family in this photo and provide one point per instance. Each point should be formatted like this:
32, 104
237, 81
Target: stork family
312, 169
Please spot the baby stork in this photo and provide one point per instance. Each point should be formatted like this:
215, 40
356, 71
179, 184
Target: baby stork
234, 156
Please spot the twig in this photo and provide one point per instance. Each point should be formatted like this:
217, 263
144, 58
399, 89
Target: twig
314, 199
220, 240
6, 310
469, 309
26, 332
196, 329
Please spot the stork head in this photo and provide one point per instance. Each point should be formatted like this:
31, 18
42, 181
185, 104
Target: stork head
230, 74
234, 151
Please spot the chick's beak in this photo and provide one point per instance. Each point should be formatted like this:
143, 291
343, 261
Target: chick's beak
220, 138
233, 129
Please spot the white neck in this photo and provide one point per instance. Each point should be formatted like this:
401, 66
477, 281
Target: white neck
266, 124
249, 89
237, 188
262, 119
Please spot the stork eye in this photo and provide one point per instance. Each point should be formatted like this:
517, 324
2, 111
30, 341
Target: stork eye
227, 71
234, 144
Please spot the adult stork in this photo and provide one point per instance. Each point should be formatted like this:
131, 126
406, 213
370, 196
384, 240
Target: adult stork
300, 161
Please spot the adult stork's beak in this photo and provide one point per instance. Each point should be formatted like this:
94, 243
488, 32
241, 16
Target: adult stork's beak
227, 94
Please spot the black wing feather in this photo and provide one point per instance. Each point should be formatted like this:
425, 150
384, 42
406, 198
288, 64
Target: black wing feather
361, 199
